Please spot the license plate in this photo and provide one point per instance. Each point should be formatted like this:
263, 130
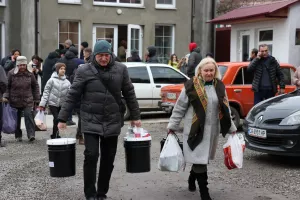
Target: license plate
171, 95
255, 132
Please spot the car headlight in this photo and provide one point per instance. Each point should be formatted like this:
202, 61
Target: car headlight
171, 96
293, 119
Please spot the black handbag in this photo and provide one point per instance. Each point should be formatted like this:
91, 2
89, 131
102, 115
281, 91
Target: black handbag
162, 142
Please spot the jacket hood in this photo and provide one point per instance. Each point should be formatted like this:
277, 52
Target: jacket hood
152, 51
70, 55
53, 55
74, 50
197, 50
55, 75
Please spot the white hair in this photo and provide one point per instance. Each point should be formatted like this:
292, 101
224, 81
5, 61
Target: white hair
204, 62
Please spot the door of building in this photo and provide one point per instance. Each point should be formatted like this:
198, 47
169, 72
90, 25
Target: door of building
134, 39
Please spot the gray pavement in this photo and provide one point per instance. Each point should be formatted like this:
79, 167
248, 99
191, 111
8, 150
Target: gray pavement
24, 175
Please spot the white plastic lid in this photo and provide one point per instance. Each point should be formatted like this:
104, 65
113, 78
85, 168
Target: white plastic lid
61, 141
134, 139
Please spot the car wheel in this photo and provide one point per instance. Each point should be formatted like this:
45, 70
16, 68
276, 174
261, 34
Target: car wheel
127, 113
235, 116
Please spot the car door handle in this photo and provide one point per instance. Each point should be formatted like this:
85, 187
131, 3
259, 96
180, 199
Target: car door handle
237, 90
158, 86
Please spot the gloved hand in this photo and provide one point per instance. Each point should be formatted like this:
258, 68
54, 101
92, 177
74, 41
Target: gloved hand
170, 131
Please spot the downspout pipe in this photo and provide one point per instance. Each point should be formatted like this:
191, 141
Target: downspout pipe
36, 30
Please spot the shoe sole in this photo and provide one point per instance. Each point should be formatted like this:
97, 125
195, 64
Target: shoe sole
31, 139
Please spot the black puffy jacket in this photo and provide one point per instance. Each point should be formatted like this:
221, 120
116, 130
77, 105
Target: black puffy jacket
194, 59
48, 67
100, 110
70, 61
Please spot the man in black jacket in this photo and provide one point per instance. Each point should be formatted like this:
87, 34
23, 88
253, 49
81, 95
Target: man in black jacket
3, 86
99, 86
266, 70
152, 58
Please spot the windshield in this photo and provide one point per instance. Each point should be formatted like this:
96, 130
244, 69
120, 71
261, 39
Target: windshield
222, 70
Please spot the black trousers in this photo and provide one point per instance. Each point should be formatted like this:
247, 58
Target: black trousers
55, 111
108, 148
1, 123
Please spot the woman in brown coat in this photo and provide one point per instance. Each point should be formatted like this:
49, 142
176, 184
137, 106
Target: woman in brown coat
22, 92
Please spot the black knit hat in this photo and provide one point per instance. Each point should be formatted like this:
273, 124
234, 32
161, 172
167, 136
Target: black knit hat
85, 44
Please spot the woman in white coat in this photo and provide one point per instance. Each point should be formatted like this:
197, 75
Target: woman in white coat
54, 94
204, 106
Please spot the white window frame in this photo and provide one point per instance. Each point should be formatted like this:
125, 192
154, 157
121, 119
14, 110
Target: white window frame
79, 32
116, 36
173, 35
70, 1
265, 42
166, 6
3, 54
3, 3
118, 4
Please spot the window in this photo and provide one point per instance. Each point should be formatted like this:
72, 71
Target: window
70, 1
164, 42
2, 2
222, 70
125, 3
2, 40
69, 30
243, 77
165, 75
287, 76
167, 4
266, 37
297, 38
138, 75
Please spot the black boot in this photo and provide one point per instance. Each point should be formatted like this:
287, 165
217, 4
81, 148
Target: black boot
202, 182
191, 181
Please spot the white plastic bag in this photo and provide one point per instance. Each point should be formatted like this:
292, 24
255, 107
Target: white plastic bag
171, 157
234, 151
40, 120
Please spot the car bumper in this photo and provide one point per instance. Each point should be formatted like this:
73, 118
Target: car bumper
167, 106
278, 141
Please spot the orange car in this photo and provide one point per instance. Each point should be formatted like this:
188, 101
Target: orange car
238, 83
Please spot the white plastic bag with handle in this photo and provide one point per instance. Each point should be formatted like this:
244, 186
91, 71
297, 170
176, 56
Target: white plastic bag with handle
234, 151
40, 120
171, 157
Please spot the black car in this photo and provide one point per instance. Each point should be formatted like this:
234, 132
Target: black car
273, 126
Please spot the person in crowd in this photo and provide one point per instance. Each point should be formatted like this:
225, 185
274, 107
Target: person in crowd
254, 53
50, 61
36, 67
205, 108
194, 59
54, 95
267, 72
209, 55
296, 78
134, 56
182, 65
22, 93
99, 86
87, 52
146, 56
10, 62
173, 61
63, 53
3, 87
72, 62
68, 44
152, 55
83, 46
122, 51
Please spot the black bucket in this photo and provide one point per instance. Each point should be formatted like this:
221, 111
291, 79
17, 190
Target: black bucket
62, 157
137, 156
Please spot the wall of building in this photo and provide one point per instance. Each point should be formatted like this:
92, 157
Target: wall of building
27, 28
294, 23
204, 33
89, 14
280, 38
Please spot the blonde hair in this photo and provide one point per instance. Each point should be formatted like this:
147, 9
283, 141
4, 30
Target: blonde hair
204, 62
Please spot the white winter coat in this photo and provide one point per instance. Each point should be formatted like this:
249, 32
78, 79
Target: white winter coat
206, 150
55, 91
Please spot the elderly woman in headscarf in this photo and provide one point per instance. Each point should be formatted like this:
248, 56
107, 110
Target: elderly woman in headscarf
204, 106
22, 93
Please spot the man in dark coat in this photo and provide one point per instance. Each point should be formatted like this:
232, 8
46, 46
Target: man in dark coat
3, 87
99, 85
194, 59
48, 67
152, 55
267, 72
82, 47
